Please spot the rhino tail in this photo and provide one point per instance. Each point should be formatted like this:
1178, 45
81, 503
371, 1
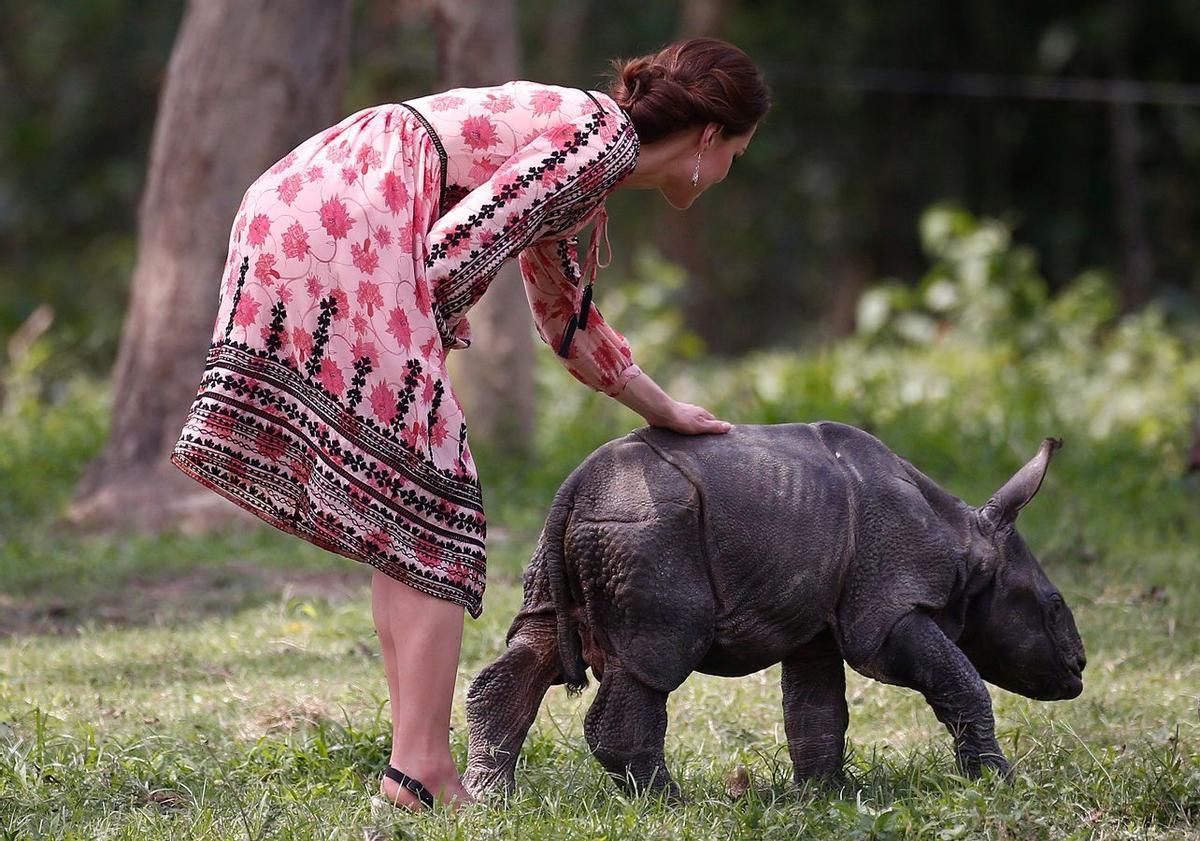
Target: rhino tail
570, 647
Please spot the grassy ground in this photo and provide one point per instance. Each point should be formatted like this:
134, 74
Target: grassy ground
263, 715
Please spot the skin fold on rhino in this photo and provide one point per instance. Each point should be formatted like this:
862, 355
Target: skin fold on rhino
810, 545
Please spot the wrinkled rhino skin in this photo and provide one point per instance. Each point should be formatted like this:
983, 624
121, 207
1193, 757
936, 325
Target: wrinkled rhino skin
810, 545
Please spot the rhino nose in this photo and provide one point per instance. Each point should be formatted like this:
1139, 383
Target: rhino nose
1077, 659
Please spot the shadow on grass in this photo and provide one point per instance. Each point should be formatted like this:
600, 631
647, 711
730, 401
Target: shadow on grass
146, 599
56, 579
170, 669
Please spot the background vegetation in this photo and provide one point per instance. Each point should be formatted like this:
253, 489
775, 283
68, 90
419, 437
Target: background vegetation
879, 112
229, 686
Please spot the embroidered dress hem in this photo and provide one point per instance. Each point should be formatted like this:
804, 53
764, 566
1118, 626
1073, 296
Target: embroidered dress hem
199, 471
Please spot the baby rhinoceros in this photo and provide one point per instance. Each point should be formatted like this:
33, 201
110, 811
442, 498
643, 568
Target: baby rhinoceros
806, 544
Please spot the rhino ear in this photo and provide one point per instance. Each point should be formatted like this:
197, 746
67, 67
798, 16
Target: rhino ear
1017, 491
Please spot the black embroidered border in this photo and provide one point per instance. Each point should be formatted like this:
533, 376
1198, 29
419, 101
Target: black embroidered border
458, 289
247, 394
412, 572
237, 295
254, 364
232, 416
567, 261
617, 160
441, 150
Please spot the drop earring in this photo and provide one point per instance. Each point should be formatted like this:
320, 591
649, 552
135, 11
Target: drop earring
696, 171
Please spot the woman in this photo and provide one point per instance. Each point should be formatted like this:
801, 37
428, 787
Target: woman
325, 408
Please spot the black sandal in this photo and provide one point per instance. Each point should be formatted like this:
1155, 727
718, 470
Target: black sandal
415, 786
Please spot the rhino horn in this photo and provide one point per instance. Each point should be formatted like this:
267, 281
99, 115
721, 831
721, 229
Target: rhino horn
1017, 491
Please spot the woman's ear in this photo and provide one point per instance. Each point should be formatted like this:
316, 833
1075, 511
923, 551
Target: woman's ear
710, 135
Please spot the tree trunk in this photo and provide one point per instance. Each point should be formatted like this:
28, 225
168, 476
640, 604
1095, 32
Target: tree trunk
564, 27
703, 17
477, 45
703, 306
247, 81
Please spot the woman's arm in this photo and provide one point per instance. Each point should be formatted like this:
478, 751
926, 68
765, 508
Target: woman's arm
557, 171
644, 396
598, 355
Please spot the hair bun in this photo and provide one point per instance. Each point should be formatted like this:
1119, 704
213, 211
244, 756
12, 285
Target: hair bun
689, 83
637, 80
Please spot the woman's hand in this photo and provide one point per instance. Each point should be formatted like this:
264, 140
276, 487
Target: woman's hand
644, 396
689, 419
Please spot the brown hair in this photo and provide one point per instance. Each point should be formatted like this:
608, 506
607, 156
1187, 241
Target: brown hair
689, 83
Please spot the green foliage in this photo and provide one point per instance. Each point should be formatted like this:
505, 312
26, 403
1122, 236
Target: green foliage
980, 284
49, 428
1090, 371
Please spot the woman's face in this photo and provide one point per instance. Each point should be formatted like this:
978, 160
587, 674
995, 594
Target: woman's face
717, 152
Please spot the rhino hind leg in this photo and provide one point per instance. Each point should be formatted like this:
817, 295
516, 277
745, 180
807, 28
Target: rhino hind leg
502, 703
625, 729
815, 715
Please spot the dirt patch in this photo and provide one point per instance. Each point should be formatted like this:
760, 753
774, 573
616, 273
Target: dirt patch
286, 718
201, 591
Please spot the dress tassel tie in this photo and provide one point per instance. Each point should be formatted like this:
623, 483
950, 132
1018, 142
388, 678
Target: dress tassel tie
568, 334
580, 321
585, 307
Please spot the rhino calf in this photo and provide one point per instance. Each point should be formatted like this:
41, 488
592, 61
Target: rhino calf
812, 545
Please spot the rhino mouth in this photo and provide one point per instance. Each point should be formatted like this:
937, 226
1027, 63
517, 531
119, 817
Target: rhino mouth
1067, 684
1056, 679
1063, 689
1074, 688
1070, 687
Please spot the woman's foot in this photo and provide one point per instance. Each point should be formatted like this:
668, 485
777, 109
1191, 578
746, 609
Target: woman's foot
444, 784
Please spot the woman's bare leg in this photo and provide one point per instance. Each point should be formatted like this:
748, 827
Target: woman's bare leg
421, 639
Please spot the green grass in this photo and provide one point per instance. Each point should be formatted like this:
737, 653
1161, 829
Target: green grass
271, 722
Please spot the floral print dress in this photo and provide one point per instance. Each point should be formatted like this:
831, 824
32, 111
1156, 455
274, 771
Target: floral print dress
325, 407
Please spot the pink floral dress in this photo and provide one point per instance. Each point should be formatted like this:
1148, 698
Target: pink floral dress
325, 407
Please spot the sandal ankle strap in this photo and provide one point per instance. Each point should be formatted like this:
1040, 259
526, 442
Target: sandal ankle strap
412, 784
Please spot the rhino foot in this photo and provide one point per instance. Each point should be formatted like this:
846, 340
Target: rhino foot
501, 705
815, 715
918, 655
972, 765
625, 728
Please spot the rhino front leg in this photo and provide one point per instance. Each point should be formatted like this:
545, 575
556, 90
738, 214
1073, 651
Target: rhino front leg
918, 655
625, 728
502, 704
815, 716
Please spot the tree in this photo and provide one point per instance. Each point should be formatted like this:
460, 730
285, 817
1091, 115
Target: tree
678, 230
247, 80
477, 45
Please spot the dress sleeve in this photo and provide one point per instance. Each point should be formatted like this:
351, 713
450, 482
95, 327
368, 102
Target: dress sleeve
597, 355
545, 187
